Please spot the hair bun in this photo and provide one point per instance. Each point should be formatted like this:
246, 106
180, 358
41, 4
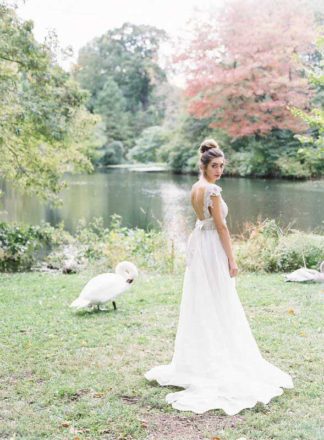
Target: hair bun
208, 144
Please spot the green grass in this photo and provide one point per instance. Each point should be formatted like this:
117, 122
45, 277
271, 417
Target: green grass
80, 376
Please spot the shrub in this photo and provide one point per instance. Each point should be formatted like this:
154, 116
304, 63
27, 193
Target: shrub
22, 245
299, 249
149, 250
265, 246
256, 247
148, 145
291, 167
111, 153
240, 164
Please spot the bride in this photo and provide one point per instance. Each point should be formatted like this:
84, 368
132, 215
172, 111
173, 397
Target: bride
216, 358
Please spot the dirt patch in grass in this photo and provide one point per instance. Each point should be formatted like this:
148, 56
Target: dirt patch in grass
178, 427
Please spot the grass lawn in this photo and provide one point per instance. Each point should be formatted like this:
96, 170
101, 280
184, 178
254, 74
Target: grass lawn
80, 376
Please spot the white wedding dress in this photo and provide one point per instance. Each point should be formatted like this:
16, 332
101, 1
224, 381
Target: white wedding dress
216, 358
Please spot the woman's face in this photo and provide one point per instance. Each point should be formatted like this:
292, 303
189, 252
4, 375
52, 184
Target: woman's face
214, 169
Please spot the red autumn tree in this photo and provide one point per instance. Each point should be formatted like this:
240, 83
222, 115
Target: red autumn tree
243, 68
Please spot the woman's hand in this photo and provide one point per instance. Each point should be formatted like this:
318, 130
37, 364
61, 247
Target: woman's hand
233, 269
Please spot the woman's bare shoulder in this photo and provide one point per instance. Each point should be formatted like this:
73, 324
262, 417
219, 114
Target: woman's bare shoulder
199, 185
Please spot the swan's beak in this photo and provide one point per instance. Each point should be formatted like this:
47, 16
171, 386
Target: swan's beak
130, 280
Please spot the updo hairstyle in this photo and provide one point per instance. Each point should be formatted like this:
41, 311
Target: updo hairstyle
209, 149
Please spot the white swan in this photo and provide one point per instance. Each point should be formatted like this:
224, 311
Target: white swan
106, 286
304, 274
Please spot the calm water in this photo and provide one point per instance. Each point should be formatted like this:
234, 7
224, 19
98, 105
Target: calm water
162, 200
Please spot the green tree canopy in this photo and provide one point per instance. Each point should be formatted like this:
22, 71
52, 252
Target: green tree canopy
44, 126
312, 152
111, 105
148, 145
128, 57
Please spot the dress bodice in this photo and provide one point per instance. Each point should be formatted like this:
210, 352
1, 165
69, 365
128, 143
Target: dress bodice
213, 190
208, 221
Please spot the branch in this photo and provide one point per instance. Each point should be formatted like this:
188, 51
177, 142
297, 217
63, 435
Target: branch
21, 168
13, 61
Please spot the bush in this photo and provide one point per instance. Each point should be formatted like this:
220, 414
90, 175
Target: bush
182, 156
299, 249
22, 245
148, 145
292, 167
257, 245
112, 153
149, 250
279, 154
265, 246
241, 164
312, 158
25, 247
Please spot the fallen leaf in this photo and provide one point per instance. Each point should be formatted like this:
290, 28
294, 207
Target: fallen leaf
143, 423
291, 312
216, 438
65, 424
98, 395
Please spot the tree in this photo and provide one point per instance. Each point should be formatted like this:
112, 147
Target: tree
111, 105
245, 71
128, 56
311, 153
148, 145
44, 127
112, 153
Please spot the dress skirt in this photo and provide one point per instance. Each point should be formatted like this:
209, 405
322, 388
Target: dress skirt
216, 358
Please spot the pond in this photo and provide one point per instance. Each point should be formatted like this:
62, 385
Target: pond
162, 200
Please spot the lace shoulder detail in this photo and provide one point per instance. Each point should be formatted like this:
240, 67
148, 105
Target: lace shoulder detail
211, 190
214, 190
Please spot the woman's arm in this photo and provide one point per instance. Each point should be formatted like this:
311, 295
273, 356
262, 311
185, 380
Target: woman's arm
222, 229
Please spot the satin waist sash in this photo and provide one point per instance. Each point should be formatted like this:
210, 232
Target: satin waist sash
207, 223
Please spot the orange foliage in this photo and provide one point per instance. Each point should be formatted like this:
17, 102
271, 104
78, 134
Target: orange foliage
244, 67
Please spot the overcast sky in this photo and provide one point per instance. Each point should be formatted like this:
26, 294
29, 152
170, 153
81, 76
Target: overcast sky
78, 21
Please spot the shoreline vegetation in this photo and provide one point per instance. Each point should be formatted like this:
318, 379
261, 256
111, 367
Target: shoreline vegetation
264, 246
161, 167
